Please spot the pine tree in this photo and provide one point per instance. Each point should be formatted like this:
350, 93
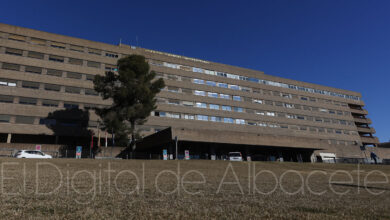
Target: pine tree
133, 90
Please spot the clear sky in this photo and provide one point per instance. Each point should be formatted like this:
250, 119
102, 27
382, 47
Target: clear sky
343, 44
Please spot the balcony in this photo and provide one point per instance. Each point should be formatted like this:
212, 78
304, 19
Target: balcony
362, 120
369, 140
359, 111
366, 130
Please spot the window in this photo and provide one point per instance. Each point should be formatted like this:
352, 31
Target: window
300, 117
223, 85
224, 96
262, 124
24, 119
93, 64
304, 98
332, 112
290, 116
287, 96
38, 41
7, 82
202, 117
237, 109
75, 61
27, 101
211, 83
33, 69
5, 118
245, 89
186, 91
240, 121
258, 112
91, 92
226, 108
228, 120
56, 58
269, 102
237, 98
189, 117
89, 77
323, 110
318, 119
11, 66
16, 37
257, 101
12, 51
287, 105
6, 99
52, 87
198, 81
74, 90
76, 48
112, 55
30, 85
36, 55
270, 114
201, 93
215, 119
213, 106
69, 105
173, 89
74, 75
234, 87
172, 115
201, 105
187, 103
50, 103
212, 94
58, 45
173, 102
94, 51
112, 68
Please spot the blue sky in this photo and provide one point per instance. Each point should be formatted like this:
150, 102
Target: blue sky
343, 44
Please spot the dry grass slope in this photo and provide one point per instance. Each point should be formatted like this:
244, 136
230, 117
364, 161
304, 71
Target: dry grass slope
85, 189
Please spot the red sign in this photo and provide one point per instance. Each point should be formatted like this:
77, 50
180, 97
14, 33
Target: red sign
38, 147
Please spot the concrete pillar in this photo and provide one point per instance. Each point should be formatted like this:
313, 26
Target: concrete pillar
9, 138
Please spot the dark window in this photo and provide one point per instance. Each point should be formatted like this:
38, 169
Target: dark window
53, 72
91, 92
30, 85
33, 69
12, 51
24, 119
93, 64
5, 118
6, 99
75, 61
27, 101
35, 55
70, 105
52, 87
56, 58
74, 90
89, 77
50, 103
73, 75
11, 66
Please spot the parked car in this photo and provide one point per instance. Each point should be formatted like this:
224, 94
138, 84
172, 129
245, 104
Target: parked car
32, 154
235, 156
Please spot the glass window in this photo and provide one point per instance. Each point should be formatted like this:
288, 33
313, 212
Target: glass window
201, 93
223, 85
30, 85
238, 109
270, 114
212, 94
36, 55
12, 51
56, 58
190, 117
234, 87
33, 69
188, 103
226, 108
6, 99
228, 120
5, 118
8, 82
11, 66
74, 75
24, 119
50, 103
224, 96
237, 98
69, 105
93, 64
215, 119
240, 121
201, 105
202, 117
74, 90
211, 83
198, 81
75, 61
91, 92
257, 101
53, 72
27, 101
52, 87
214, 106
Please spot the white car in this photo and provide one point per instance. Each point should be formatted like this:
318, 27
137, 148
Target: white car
235, 156
32, 154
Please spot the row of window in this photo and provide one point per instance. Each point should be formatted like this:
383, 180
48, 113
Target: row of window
54, 58
48, 87
60, 45
250, 122
45, 102
246, 89
252, 111
250, 79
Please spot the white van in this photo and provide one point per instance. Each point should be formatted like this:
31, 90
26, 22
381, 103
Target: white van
235, 156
